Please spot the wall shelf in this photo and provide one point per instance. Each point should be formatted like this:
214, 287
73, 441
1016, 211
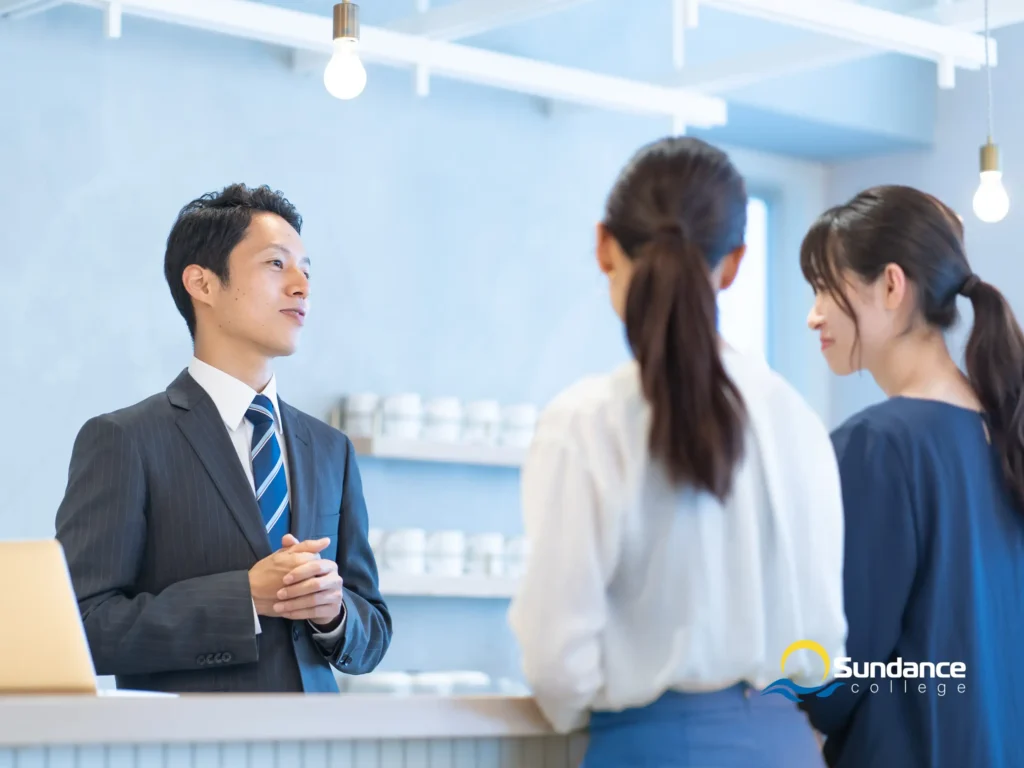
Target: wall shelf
452, 453
393, 584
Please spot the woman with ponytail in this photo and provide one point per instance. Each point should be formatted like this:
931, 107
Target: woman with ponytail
684, 511
933, 489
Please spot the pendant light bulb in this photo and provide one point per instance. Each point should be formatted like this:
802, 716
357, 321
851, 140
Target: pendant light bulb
991, 203
344, 76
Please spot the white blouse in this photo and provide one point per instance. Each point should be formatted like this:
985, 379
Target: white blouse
634, 588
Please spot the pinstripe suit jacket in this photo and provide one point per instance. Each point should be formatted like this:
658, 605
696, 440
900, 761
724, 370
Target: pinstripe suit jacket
160, 527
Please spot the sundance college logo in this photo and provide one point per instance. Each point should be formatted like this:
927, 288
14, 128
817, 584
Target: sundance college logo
896, 676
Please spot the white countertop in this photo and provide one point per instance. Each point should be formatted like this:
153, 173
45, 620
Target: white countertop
126, 719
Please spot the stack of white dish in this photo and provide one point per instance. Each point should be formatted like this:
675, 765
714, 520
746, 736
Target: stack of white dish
441, 419
449, 553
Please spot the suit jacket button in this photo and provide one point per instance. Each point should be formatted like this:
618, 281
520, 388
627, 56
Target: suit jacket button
209, 658
218, 658
200, 660
227, 657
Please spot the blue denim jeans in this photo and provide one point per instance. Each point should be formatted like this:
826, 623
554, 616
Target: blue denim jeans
732, 728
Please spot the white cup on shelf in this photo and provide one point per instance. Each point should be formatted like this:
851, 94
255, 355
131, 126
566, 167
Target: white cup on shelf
517, 424
470, 683
402, 416
482, 422
388, 683
442, 419
433, 684
456, 683
446, 553
405, 551
360, 413
517, 552
485, 554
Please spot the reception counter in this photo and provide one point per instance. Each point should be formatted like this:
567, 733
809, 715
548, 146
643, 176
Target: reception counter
280, 731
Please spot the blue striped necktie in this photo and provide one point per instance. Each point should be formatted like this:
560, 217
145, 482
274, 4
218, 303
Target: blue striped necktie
268, 470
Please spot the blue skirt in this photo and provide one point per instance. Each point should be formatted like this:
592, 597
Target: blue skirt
733, 728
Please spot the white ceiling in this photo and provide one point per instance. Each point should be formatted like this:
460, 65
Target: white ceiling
574, 50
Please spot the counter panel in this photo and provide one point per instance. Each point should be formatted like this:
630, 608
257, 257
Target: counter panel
281, 731
535, 752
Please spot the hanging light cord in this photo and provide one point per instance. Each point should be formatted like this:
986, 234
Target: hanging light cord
988, 72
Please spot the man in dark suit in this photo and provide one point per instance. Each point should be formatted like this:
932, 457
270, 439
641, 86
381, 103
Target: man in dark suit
217, 536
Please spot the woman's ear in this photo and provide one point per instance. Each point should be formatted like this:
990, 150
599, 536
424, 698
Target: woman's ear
730, 267
605, 250
895, 286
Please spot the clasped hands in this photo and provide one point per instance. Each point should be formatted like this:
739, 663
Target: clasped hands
296, 583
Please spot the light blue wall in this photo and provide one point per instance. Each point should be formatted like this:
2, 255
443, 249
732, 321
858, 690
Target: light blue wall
451, 240
888, 100
950, 171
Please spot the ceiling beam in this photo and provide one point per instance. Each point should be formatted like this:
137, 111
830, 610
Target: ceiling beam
466, 18
969, 15
313, 33
742, 71
538, 78
875, 27
19, 9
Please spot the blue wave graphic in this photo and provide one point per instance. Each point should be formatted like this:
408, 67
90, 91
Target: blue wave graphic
793, 692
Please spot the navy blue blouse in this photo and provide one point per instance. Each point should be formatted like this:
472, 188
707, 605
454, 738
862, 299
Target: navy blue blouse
933, 572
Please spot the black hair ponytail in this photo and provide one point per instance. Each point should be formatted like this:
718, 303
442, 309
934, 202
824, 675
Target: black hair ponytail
995, 367
697, 414
677, 210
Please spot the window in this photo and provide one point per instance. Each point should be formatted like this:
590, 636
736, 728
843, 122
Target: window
743, 307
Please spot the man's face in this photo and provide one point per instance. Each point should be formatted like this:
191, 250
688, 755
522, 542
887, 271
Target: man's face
263, 305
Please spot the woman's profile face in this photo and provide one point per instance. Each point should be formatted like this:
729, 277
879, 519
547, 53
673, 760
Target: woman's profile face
850, 345
836, 333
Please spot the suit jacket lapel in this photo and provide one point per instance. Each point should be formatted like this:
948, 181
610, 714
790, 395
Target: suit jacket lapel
202, 426
301, 470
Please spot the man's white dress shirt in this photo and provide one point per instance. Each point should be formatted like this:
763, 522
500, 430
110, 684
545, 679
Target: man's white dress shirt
634, 588
233, 398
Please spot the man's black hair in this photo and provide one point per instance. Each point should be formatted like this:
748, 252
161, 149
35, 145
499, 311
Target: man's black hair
209, 228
